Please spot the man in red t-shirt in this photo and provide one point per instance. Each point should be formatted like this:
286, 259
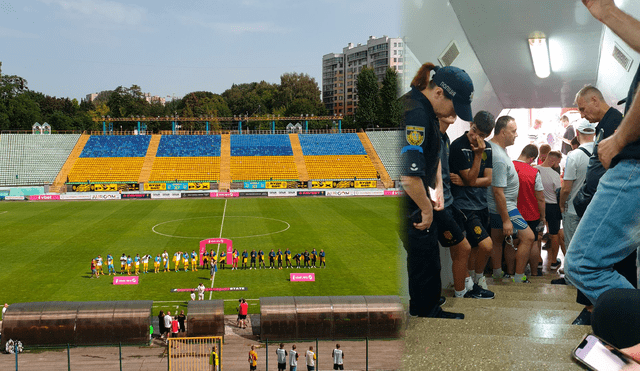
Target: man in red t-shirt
242, 314
530, 204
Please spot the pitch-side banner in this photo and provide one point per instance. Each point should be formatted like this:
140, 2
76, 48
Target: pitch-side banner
199, 186
107, 196
393, 193
365, 183
177, 186
165, 195
255, 185
44, 197
340, 193
283, 193
276, 185
316, 184
376, 192
80, 196
155, 186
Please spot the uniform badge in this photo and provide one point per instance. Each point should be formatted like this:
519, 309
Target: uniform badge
448, 235
478, 230
415, 135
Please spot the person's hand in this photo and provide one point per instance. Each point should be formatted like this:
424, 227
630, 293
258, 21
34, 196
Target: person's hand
608, 149
479, 146
599, 8
507, 228
456, 179
633, 351
427, 219
438, 204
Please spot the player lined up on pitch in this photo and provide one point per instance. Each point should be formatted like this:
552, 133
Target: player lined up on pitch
210, 260
277, 260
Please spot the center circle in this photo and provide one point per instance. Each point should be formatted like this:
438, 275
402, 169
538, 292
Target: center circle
256, 225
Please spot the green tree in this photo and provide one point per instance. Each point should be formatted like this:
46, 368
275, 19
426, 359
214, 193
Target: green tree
390, 109
299, 93
368, 98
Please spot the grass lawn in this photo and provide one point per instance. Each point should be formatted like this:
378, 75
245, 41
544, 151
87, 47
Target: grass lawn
46, 247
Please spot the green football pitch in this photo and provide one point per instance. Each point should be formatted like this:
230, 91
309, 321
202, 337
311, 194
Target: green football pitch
46, 247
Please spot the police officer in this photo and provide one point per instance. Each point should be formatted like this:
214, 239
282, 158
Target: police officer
448, 93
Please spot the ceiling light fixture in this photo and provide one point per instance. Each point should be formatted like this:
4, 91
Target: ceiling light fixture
540, 56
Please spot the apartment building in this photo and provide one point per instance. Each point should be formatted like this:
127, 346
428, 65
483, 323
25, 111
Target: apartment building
340, 71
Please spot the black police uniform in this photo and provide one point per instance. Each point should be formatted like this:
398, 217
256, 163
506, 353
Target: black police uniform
420, 156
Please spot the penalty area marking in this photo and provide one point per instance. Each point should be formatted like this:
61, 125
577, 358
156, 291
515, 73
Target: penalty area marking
3, 212
229, 237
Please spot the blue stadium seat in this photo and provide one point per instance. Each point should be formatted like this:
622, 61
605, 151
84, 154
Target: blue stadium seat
261, 145
116, 146
331, 144
189, 146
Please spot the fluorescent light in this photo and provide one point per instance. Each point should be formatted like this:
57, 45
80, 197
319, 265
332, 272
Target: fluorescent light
540, 56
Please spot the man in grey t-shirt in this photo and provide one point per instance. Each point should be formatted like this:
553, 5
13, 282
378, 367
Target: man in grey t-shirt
502, 198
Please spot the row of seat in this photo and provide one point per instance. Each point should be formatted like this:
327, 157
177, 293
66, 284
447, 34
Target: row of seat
388, 145
189, 146
263, 168
116, 146
167, 169
106, 169
331, 144
28, 159
340, 167
260, 145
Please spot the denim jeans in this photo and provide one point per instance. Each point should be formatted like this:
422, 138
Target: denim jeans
608, 232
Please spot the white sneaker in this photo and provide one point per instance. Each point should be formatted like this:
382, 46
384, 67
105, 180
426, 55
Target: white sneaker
482, 282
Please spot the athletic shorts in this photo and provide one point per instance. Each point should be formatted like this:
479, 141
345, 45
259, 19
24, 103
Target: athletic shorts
554, 217
450, 222
111, 267
517, 220
338, 367
476, 224
533, 225
242, 316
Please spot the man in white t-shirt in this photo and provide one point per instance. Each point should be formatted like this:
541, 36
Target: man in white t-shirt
167, 324
338, 357
553, 216
201, 290
311, 359
574, 175
4, 309
293, 358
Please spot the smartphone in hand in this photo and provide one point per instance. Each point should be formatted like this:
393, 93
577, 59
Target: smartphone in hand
598, 355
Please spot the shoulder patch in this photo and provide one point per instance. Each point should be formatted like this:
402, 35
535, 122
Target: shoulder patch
415, 135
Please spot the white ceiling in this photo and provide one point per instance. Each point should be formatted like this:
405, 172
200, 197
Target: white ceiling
492, 37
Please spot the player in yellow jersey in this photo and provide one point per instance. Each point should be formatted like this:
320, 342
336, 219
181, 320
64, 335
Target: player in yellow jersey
156, 264
145, 263
176, 260
194, 261
185, 259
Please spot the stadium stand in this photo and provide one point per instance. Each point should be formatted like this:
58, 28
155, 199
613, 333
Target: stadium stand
187, 158
262, 157
196, 169
29, 159
116, 146
387, 144
117, 158
336, 156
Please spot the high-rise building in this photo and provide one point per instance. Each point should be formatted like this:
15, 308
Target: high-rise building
340, 71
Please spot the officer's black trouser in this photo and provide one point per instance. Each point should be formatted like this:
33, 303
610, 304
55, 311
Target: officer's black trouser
423, 267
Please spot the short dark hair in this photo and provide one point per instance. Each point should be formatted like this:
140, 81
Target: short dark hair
530, 150
575, 141
502, 123
545, 149
485, 122
556, 154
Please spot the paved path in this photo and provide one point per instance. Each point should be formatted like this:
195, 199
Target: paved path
383, 355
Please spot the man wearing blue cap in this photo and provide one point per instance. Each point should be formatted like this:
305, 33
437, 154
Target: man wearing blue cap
447, 94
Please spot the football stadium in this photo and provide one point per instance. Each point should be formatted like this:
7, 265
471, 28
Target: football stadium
309, 218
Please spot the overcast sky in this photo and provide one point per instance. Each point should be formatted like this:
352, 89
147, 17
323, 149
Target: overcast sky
70, 48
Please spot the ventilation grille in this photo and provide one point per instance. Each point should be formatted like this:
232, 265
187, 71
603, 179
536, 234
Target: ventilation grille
450, 54
623, 58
